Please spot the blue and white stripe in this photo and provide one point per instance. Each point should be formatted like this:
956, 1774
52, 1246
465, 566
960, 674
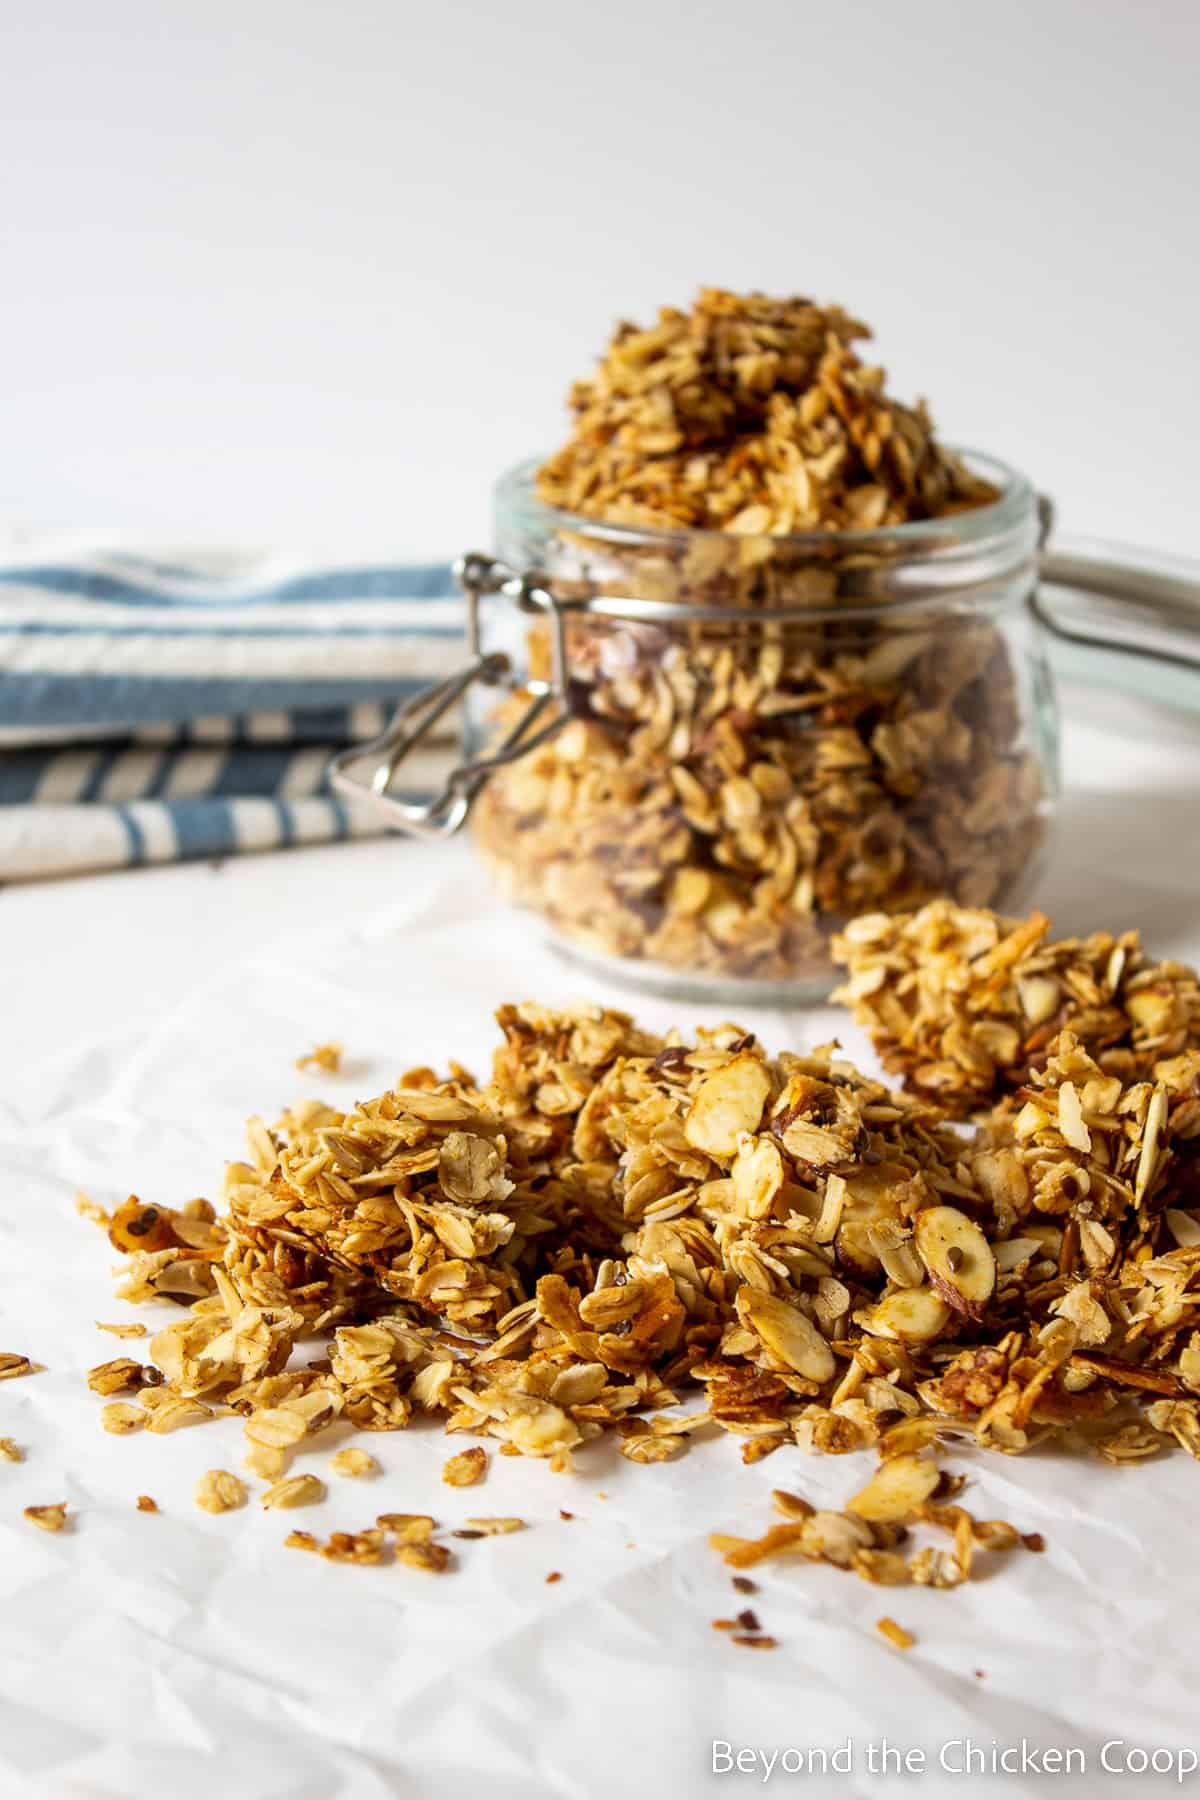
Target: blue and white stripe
155, 710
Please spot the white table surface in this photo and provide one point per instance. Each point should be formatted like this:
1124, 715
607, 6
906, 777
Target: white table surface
145, 1015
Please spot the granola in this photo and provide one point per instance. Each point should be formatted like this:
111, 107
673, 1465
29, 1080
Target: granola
617, 1222
725, 792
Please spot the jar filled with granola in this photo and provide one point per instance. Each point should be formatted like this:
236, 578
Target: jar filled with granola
754, 655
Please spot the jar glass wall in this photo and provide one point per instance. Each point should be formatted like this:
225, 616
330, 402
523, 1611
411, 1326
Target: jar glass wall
765, 736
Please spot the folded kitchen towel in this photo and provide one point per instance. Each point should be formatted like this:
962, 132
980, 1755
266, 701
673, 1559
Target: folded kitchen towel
153, 710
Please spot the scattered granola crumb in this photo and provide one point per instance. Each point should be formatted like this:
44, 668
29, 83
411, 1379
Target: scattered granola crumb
47, 1518
170, 1414
792, 1506
466, 1469
744, 1552
466, 1532
434, 1558
980, 1674
146, 1504
301, 1540
353, 1461
495, 1527
408, 1528
744, 1585
326, 1057
121, 1418
367, 1548
10, 1450
748, 1619
12, 1365
895, 1634
123, 1375
554, 1575
90, 1209
1033, 1540
220, 1491
564, 1514
132, 1330
294, 1490
760, 1642
724, 1624
756, 1448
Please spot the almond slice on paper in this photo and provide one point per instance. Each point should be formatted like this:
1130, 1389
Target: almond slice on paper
898, 1487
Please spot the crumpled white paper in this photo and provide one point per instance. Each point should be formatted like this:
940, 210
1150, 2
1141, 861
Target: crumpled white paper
190, 1655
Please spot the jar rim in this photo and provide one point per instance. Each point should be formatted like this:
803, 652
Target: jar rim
516, 496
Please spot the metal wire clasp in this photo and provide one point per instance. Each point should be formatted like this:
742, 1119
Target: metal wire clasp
446, 811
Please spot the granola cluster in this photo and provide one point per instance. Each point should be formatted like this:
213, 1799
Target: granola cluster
964, 1005
617, 1220
753, 415
727, 791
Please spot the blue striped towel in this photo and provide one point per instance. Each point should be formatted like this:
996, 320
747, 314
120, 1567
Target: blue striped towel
153, 710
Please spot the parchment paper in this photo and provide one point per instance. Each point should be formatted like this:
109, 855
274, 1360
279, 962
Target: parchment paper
185, 1655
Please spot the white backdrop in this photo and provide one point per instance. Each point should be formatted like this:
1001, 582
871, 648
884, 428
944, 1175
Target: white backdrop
307, 273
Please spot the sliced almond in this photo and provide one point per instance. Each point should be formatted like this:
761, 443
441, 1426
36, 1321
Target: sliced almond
758, 1175
958, 1257
1183, 1226
1156, 1114
914, 1315
1070, 1118
909, 1435
786, 1332
729, 1102
832, 1206
1039, 995
1012, 1252
897, 1488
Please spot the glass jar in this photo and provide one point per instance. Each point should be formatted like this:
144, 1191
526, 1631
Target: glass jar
695, 754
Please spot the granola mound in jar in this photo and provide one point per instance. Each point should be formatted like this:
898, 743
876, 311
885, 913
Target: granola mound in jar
801, 679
